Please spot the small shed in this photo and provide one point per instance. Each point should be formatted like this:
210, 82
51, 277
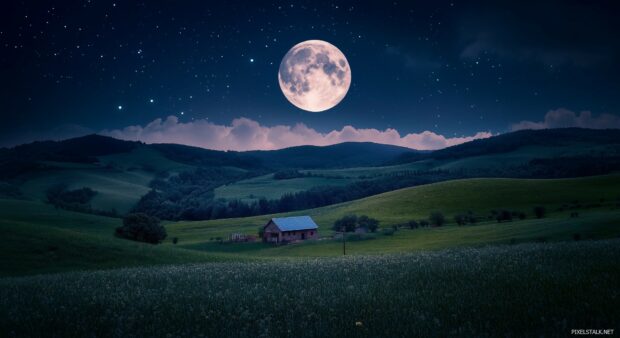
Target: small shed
290, 229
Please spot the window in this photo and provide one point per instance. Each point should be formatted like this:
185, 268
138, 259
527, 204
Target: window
311, 233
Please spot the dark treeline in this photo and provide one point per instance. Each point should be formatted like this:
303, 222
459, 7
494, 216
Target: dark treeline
196, 206
553, 167
78, 200
172, 196
289, 174
189, 195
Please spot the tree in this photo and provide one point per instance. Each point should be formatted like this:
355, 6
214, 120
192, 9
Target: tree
348, 222
504, 215
539, 211
369, 223
413, 224
437, 219
141, 227
460, 219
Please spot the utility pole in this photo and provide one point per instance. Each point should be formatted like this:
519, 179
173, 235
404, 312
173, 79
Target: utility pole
344, 242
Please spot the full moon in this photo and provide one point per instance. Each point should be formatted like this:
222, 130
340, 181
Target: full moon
314, 75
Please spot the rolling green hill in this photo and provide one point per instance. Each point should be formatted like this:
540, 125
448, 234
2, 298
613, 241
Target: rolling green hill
266, 186
569, 152
596, 196
37, 238
40, 238
122, 172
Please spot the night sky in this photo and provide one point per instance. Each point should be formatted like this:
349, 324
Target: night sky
453, 68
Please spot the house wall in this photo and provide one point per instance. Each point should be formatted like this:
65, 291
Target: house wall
272, 233
297, 235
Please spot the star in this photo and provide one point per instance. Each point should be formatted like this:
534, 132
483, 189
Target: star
120, 107
252, 60
151, 100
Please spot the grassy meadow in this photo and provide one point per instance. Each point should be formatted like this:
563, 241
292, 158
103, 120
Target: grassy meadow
543, 289
593, 225
268, 187
451, 197
42, 239
64, 274
37, 238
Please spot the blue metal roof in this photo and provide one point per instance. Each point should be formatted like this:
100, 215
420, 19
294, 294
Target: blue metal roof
295, 223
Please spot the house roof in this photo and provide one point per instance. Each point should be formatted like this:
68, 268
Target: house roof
294, 223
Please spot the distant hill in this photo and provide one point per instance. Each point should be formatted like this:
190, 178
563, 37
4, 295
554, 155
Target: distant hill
342, 155
81, 149
86, 149
181, 182
560, 138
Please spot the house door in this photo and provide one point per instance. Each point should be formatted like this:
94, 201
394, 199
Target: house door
303, 235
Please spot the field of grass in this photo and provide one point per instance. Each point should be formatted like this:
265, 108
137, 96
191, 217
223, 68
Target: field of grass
41, 238
451, 197
143, 158
116, 190
520, 156
592, 225
36, 238
266, 186
374, 171
543, 289
119, 179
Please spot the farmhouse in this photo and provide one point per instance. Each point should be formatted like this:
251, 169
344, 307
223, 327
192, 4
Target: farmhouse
288, 229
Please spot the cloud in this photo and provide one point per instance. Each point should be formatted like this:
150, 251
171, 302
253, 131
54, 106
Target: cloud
564, 118
246, 134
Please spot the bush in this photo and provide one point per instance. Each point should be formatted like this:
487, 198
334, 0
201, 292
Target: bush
175, 240
60, 196
424, 223
369, 223
412, 224
504, 215
288, 174
437, 219
141, 228
539, 211
462, 219
388, 232
347, 222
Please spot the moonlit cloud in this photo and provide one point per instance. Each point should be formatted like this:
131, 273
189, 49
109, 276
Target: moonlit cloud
564, 118
246, 134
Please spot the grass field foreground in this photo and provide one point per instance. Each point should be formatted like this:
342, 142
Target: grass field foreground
523, 290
